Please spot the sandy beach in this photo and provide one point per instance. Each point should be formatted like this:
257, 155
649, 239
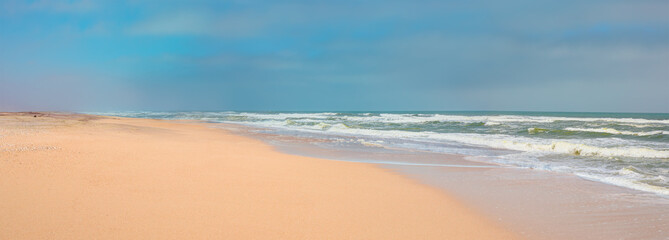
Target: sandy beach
68, 176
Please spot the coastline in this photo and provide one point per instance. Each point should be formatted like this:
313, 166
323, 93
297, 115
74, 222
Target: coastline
534, 203
72, 176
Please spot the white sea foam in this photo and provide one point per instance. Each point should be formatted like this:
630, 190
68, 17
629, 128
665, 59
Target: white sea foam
602, 158
399, 118
558, 147
639, 125
490, 140
506, 142
420, 118
627, 176
371, 144
285, 116
626, 182
490, 123
614, 131
630, 171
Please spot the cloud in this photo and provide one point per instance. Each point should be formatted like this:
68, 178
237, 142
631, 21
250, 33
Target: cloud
268, 18
380, 54
51, 6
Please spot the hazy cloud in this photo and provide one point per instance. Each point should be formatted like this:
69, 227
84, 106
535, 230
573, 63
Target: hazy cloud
52, 6
323, 55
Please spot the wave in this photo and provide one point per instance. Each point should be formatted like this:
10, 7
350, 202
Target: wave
423, 118
626, 182
638, 125
508, 142
489, 120
565, 148
617, 132
287, 116
335, 122
537, 130
617, 153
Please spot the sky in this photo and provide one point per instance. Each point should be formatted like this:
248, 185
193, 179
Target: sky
513, 55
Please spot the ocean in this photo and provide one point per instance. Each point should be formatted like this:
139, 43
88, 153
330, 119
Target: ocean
625, 149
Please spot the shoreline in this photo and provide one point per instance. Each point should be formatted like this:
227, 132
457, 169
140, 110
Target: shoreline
537, 204
70, 176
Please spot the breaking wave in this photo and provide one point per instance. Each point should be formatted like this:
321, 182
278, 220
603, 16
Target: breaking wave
617, 132
512, 143
630, 150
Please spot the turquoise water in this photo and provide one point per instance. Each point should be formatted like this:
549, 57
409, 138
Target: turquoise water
624, 149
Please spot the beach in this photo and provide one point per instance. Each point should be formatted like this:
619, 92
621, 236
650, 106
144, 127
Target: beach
75, 176
535, 203
541, 175
334, 120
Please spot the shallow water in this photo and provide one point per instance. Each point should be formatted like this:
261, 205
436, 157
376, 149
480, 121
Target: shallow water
534, 203
623, 149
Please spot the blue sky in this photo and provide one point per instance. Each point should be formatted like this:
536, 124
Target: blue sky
596, 55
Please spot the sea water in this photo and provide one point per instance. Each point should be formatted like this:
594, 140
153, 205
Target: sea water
625, 149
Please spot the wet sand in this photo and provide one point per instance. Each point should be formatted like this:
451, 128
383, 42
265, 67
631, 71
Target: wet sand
545, 205
68, 176
533, 203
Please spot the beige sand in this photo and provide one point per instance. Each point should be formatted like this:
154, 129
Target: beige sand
83, 177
